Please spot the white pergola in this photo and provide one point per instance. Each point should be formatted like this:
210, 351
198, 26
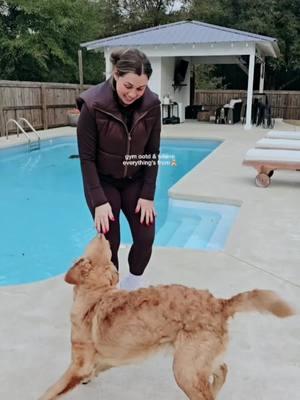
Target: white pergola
196, 42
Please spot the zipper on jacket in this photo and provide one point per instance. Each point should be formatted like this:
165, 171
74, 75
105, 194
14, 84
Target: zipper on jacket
129, 133
129, 137
127, 152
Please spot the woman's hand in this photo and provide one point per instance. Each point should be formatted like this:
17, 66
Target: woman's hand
103, 214
146, 207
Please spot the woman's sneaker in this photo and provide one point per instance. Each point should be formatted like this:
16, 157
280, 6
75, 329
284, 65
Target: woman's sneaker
132, 282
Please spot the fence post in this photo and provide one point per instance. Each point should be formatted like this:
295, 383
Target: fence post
44, 107
289, 109
2, 127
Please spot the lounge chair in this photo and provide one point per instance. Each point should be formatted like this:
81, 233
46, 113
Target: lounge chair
283, 135
267, 161
280, 144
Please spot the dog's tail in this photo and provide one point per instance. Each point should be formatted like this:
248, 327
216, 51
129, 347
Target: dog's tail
264, 301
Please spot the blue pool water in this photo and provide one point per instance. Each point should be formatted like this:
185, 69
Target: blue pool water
45, 223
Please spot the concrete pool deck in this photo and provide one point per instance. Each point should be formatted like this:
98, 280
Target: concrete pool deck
262, 251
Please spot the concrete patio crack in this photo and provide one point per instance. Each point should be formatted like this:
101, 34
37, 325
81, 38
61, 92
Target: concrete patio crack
264, 270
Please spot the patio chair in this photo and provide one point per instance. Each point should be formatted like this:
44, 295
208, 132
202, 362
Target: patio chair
268, 120
267, 161
283, 144
229, 113
192, 111
284, 135
261, 111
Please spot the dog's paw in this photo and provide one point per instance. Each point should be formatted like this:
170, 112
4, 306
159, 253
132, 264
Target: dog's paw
224, 370
220, 373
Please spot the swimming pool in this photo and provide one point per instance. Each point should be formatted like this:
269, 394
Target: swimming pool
45, 223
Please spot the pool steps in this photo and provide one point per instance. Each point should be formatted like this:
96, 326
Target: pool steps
186, 232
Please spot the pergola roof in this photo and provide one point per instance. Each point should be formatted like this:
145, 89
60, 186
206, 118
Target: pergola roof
185, 32
203, 43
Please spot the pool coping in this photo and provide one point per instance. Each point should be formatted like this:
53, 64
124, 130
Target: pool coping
15, 140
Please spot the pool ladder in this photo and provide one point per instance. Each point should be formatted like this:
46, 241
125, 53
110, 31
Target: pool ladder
32, 144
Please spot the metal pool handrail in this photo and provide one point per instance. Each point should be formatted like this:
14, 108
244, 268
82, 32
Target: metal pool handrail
31, 127
19, 127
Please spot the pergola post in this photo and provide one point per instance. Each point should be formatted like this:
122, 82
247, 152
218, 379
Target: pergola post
250, 89
262, 75
108, 66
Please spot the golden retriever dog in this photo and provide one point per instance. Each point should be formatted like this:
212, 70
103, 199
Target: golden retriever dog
112, 327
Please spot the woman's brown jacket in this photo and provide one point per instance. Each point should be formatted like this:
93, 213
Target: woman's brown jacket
107, 148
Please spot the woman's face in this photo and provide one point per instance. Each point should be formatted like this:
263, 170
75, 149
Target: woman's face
130, 87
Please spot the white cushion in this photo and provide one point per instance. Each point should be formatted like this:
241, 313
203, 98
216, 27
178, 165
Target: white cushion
283, 134
283, 144
280, 156
232, 103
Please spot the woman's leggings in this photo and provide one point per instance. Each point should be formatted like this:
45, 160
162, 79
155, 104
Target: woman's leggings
123, 195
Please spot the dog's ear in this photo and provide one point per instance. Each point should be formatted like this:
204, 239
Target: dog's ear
78, 272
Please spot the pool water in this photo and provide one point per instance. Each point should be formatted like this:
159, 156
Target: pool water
45, 223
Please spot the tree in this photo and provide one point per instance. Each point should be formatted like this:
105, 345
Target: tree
130, 15
278, 19
40, 38
207, 79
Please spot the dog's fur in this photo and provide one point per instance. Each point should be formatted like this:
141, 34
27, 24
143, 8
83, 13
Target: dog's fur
112, 327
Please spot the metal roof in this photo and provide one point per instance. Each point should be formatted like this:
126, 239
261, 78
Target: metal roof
183, 32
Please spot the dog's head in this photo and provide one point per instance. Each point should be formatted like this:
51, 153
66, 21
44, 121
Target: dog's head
95, 268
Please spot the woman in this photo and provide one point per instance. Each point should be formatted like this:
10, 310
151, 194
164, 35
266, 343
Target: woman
118, 139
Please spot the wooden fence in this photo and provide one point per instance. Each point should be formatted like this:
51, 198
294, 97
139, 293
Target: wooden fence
44, 105
284, 104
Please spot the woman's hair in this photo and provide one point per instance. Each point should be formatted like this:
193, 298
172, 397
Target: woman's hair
130, 60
